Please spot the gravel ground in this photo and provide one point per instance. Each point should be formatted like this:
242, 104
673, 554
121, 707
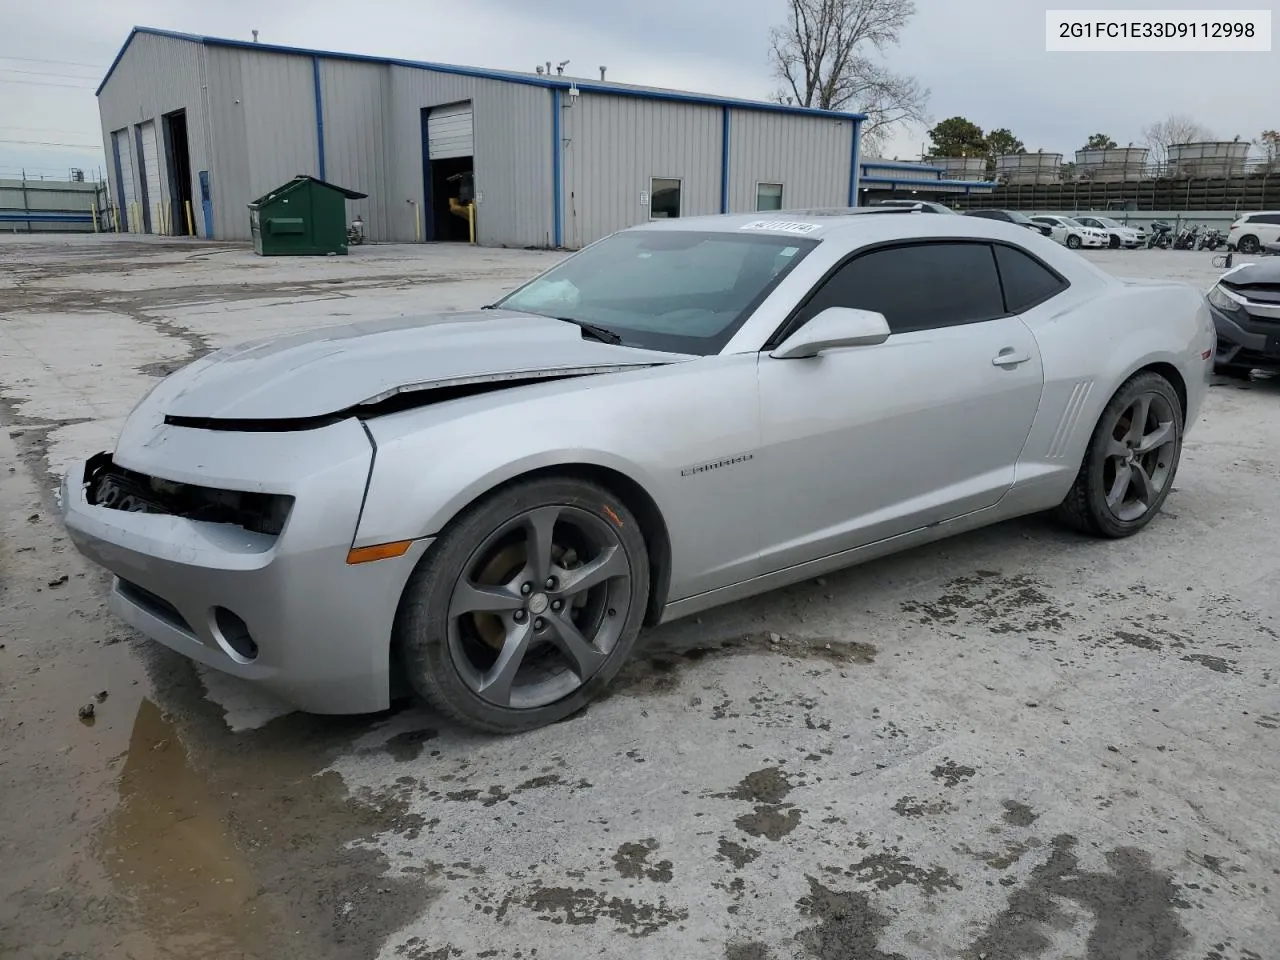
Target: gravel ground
1012, 744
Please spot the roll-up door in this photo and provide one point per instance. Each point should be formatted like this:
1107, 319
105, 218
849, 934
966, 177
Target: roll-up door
151, 174
449, 132
127, 194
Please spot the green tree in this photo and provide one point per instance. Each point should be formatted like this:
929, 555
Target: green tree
999, 143
1100, 141
957, 137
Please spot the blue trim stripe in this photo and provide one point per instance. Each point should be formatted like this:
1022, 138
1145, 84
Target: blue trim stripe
724, 161
532, 80
556, 199
853, 164
47, 217
900, 165
315, 72
930, 183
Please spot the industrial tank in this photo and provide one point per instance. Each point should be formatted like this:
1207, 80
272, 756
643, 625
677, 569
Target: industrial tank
1208, 158
1029, 167
961, 168
1111, 165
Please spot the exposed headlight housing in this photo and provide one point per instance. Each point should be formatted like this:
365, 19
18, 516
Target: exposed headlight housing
1220, 299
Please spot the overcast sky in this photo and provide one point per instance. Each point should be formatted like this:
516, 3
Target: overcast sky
982, 59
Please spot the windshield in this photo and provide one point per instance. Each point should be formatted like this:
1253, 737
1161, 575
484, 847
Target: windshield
1016, 217
1068, 221
681, 291
1106, 222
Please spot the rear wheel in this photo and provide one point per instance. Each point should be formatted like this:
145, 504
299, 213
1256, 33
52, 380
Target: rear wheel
1131, 460
1073, 242
526, 607
1250, 244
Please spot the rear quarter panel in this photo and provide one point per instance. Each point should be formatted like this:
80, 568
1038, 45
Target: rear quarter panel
1091, 345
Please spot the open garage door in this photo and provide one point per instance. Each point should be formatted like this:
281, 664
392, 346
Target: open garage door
450, 151
152, 196
449, 132
126, 181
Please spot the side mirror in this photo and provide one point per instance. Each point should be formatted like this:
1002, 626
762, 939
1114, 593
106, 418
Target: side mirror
832, 328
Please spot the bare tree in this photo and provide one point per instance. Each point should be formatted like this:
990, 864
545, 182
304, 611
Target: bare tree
1175, 128
825, 56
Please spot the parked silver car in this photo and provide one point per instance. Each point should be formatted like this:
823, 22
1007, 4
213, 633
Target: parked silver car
681, 415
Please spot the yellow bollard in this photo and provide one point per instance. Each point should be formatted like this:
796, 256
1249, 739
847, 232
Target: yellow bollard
115, 217
94, 211
471, 219
191, 230
157, 225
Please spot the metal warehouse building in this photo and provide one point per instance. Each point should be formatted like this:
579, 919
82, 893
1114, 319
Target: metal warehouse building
209, 125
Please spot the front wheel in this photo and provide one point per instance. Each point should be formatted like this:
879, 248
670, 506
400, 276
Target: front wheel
1115, 242
523, 611
1073, 242
1131, 460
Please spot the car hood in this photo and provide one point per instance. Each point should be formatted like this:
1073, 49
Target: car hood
332, 370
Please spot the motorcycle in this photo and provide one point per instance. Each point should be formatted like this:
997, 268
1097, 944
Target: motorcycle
1160, 236
1211, 239
355, 232
1186, 238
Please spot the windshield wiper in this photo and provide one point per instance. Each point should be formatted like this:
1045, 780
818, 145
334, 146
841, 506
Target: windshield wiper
594, 331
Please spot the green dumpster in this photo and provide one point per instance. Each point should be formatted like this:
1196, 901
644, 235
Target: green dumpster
304, 217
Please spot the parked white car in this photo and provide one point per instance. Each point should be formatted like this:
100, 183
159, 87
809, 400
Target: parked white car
1118, 234
1073, 233
1254, 231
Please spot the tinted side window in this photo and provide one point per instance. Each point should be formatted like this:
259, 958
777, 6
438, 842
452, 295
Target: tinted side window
1026, 282
917, 287
1272, 218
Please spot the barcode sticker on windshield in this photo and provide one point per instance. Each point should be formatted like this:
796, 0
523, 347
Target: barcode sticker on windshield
789, 251
781, 226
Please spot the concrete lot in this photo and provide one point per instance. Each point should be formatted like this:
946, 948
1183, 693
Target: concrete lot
1013, 744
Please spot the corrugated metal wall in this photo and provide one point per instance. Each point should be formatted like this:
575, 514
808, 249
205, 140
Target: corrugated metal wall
358, 137
512, 128
614, 146
809, 156
262, 109
157, 75
252, 124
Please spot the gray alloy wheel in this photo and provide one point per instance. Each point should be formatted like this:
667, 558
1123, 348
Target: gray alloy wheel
1250, 244
526, 607
1073, 241
1131, 461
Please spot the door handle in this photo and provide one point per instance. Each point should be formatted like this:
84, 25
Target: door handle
1008, 357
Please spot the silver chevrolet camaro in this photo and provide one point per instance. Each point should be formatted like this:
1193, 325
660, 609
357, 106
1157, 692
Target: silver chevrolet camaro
489, 505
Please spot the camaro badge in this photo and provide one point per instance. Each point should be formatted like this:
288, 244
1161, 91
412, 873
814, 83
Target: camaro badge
717, 464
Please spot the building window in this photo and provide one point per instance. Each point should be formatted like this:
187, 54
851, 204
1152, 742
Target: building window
664, 198
768, 196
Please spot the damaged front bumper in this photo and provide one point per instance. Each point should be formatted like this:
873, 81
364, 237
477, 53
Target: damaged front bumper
237, 582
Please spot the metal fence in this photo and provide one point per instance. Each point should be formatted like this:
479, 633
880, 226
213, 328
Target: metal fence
1257, 191
77, 206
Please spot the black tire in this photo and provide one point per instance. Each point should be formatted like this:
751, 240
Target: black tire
1234, 372
428, 638
1086, 507
1115, 242
1250, 245
1073, 242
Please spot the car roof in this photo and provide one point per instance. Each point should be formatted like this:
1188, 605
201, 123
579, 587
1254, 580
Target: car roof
856, 225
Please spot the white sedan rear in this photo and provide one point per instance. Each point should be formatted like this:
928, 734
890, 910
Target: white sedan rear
1072, 233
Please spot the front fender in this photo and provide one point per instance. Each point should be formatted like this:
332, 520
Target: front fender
652, 426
